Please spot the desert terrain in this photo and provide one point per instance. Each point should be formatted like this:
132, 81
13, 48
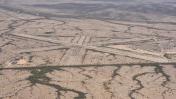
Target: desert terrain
71, 50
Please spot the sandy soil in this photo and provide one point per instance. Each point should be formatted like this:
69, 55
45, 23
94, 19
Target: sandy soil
43, 58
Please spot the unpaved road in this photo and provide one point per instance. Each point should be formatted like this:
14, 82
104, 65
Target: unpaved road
51, 57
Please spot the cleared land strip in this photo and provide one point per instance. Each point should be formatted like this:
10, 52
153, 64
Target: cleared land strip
45, 39
38, 38
42, 49
171, 53
131, 53
121, 41
75, 54
118, 51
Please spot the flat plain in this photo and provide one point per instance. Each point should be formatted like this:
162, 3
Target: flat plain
44, 55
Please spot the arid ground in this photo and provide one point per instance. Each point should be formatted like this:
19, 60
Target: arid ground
49, 55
